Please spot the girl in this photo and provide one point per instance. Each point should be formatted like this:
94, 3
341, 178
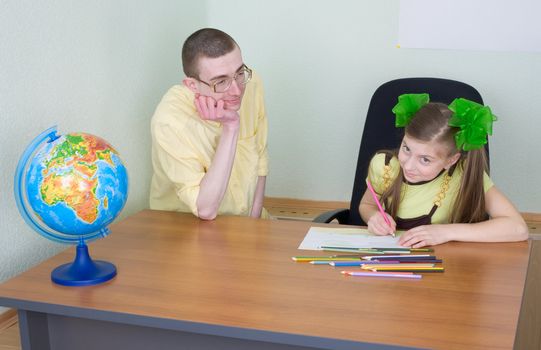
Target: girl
436, 186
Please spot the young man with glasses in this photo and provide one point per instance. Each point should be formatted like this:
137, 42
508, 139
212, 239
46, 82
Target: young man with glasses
209, 135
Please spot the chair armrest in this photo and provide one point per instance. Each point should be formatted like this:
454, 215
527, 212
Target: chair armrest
341, 215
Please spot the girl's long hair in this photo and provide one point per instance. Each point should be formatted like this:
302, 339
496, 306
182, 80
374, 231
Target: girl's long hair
431, 123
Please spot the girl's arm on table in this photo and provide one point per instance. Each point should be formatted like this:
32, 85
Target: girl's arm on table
505, 225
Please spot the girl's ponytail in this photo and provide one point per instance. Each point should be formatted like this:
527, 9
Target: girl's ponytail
470, 202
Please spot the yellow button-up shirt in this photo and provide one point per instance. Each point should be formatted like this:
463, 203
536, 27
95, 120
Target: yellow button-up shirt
183, 147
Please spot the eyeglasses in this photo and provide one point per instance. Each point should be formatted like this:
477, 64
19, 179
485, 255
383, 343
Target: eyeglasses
243, 76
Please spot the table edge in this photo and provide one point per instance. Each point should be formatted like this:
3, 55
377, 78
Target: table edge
195, 327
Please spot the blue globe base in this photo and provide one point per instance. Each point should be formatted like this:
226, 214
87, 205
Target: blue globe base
83, 271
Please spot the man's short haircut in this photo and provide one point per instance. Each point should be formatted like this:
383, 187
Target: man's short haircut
206, 42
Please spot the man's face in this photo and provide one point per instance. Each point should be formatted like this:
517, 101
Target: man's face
214, 70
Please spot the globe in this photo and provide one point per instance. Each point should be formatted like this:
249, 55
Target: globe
69, 188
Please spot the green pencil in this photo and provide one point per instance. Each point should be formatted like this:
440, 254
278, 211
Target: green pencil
406, 249
351, 250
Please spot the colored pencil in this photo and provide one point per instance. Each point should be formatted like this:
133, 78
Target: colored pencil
423, 261
351, 250
415, 256
360, 263
394, 251
347, 272
404, 257
399, 266
321, 258
382, 274
411, 269
347, 256
406, 249
380, 208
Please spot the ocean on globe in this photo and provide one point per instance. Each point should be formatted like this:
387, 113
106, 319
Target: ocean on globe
76, 184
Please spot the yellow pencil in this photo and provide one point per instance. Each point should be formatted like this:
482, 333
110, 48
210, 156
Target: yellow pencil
323, 258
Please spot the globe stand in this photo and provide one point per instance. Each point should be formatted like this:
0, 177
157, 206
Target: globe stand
83, 271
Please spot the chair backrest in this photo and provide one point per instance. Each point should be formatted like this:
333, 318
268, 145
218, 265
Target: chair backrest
379, 129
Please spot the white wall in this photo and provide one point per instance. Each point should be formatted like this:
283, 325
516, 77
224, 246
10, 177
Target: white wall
321, 62
97, 66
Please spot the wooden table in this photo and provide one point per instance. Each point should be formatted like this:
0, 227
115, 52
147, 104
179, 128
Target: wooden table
184, 283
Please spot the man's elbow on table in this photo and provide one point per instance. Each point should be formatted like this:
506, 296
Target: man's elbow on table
207, 213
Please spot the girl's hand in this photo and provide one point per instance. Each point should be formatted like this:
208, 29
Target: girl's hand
377, 225
424, 235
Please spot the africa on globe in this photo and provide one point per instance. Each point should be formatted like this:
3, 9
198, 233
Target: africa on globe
76, 184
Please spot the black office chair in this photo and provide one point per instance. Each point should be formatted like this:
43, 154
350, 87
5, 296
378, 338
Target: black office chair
380, 131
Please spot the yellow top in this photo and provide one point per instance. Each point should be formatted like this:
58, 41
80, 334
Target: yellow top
183, 146
418, 200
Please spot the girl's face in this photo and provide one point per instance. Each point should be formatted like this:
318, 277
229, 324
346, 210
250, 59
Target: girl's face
423, 161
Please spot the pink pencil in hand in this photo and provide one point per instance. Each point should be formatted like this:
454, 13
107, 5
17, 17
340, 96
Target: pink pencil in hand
376, 199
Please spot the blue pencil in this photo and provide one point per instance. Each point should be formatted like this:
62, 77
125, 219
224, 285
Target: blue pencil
345, 263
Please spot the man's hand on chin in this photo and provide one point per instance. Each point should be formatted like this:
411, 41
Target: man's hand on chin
210, 109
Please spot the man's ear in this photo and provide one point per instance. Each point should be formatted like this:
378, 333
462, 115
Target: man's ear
452, 160
191, 84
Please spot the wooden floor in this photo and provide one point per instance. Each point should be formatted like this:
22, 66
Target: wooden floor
9, 334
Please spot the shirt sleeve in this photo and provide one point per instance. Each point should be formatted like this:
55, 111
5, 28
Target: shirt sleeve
261, 133
180, 163
487, 182
376, 170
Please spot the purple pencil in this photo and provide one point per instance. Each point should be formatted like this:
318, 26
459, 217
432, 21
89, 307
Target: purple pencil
382, 274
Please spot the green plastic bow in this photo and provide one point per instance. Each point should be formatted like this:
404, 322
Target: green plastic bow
407, 106
474, 121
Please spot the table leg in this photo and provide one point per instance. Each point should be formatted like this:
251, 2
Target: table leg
34, 330
528, 334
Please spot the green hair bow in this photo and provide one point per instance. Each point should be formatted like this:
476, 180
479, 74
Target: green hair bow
474, 121
407, 106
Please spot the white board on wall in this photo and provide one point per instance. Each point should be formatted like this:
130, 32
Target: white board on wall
488, 25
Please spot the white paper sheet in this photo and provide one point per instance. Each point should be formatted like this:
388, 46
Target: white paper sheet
346, 237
